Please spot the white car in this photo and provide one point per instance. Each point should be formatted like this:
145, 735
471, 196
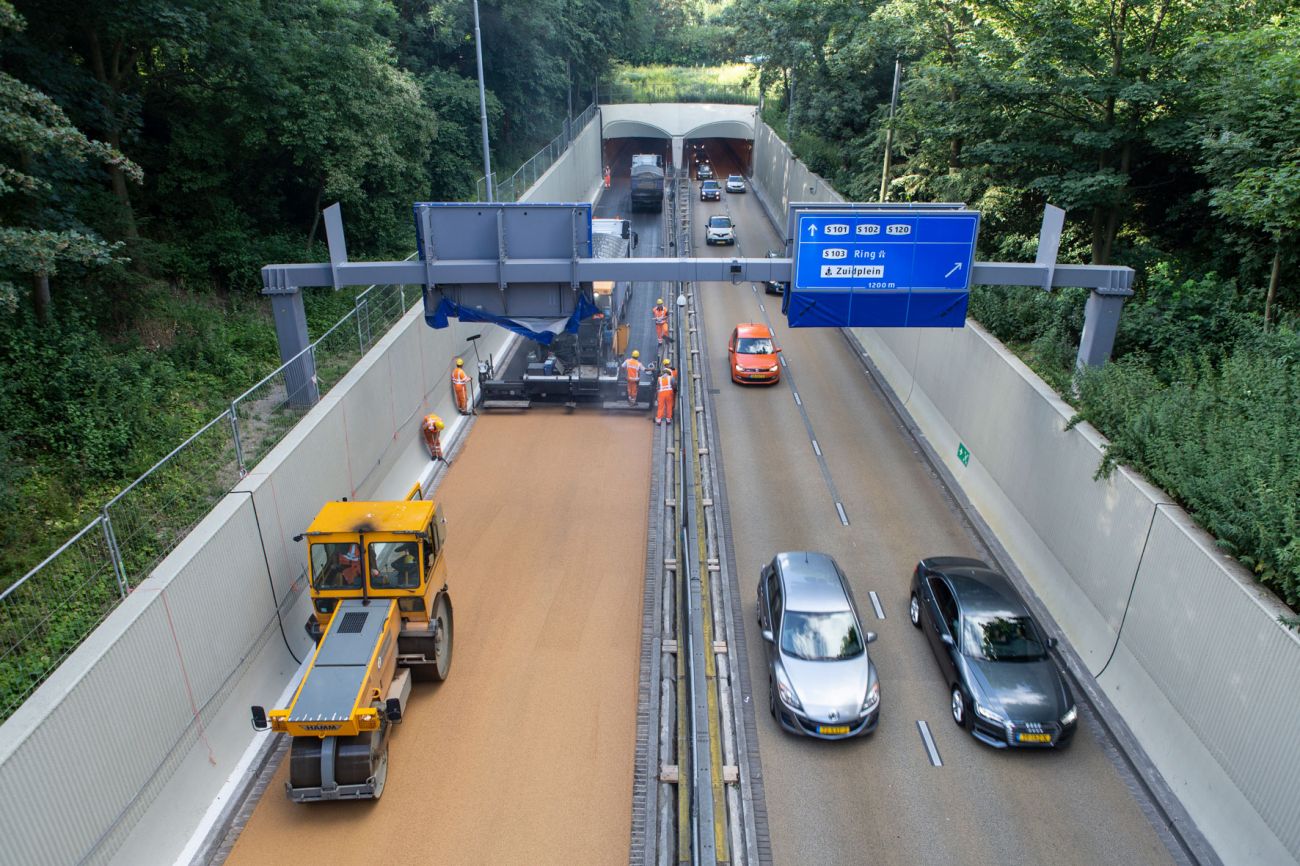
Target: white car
735, 183
719, 230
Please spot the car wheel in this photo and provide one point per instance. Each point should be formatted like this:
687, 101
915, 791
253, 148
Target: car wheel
914, 611
960, 708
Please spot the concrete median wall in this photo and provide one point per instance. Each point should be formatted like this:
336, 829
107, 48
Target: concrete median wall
1186, 646
117, 757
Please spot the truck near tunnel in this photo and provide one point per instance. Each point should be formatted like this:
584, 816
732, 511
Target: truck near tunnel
381, 618
647, 181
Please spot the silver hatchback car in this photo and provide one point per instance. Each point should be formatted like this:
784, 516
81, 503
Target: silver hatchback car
821, 682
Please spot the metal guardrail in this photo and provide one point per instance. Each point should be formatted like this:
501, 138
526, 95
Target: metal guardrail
527, 174
49, 611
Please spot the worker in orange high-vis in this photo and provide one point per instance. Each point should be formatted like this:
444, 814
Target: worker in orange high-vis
460, 384
432, 428
660, 313
632, 368
666, 384
607, 176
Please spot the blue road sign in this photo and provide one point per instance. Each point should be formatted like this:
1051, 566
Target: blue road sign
855, 266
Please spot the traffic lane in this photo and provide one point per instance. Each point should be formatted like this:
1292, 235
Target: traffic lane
869, 453
824, 800
525, 754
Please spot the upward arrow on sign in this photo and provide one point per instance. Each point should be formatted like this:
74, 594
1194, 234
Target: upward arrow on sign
812, 230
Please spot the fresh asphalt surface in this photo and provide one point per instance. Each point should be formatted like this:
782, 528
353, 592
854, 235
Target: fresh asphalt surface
879, 799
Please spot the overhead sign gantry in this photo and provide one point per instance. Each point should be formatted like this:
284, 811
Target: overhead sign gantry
530, 267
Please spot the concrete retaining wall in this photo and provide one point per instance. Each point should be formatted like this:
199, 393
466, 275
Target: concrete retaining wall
1184, 643
119, 754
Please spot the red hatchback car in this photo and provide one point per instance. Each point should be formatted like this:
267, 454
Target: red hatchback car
752, 353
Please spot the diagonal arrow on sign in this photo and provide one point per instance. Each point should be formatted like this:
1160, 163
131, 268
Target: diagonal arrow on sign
956, 266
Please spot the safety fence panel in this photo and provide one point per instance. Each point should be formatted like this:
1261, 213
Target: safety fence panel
514, 186
42, 621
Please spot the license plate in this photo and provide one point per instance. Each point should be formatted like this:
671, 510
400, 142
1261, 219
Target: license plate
833, 729
1034, 738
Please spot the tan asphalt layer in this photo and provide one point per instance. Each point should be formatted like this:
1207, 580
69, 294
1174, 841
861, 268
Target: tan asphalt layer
525, 754
878, 800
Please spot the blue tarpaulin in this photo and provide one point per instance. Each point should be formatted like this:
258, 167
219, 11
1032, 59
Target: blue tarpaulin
543, 330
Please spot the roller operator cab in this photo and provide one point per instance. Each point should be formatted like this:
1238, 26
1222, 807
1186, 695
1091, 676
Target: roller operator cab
382, 617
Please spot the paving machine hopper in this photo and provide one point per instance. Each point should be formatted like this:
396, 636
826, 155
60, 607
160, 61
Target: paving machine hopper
382, 618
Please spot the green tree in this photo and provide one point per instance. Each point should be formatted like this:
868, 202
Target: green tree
1249, 134
33, 131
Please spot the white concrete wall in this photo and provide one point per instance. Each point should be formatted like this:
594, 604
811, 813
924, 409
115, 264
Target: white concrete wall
1184, 643
118, 755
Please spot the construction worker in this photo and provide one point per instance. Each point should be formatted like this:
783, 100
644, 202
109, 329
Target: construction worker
432, 429
607, 177
460, 383
350, 567
632, 367
660, 313
666, 383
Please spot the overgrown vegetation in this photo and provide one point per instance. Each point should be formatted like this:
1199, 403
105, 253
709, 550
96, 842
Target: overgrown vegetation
1169, 131
659, 83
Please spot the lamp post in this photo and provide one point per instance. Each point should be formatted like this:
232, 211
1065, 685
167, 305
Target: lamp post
889, 133
482, 104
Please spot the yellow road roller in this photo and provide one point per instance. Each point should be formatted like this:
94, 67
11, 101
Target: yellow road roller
382, 617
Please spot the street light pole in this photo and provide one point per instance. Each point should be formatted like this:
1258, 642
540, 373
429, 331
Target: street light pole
482, 104
889, 133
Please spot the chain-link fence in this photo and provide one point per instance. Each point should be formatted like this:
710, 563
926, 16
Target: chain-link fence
47, 613
42, 620
527, 174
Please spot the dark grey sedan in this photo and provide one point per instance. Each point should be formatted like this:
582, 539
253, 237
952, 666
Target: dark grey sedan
1003, 686
820, 680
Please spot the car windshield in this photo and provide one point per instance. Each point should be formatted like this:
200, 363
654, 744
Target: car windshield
734, 178
720, 222
710, 184
821, 637
1002, 639
754, 346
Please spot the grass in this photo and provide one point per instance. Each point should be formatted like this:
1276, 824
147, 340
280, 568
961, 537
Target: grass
731, 83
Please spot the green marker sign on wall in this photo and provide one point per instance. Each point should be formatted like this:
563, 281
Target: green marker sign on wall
962, 454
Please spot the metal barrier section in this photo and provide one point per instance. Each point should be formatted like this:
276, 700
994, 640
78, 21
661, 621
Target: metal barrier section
526, 176
46, 613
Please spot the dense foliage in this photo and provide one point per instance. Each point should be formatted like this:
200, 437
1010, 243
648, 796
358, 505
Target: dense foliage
1170, 132
154, 154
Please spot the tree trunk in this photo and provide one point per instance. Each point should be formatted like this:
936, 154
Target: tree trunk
315, 219
1272, 286
113, 82
41, 297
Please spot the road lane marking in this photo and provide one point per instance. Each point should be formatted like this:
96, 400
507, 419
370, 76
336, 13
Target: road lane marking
931, 749
844, 518
762, 309
797, 401
782, 359
875, 602
817, 449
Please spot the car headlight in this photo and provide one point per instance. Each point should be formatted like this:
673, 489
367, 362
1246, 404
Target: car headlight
1070, 716
988, 714
774, 368
786, 691
739, 369
873, 699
